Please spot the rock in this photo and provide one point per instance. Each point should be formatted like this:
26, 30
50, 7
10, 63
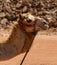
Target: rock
4, 21
7, 0
18, 5
2, 14
11, 17
24, 9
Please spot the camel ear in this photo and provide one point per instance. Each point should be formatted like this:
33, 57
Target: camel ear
21, 17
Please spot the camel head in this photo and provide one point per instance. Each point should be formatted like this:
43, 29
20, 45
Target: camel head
32, 23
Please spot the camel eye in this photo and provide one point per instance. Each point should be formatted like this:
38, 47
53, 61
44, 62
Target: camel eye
29, 21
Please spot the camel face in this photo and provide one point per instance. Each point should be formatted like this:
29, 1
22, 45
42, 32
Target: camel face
14, 40
32, 23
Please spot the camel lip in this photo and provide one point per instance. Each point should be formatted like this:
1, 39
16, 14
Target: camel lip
27, 25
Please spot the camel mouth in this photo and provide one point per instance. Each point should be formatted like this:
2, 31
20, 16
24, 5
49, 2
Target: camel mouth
27, 25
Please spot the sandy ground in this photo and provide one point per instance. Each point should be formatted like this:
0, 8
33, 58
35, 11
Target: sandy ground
42, 52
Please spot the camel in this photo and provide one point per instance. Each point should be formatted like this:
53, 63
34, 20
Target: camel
18, 38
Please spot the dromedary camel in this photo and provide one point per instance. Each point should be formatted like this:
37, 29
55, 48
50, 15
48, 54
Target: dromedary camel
19, 37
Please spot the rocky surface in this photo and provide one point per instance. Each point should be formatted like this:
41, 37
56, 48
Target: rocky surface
10, 11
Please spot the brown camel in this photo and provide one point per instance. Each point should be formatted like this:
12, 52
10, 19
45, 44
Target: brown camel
19, 37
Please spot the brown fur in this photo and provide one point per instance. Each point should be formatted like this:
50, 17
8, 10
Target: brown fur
18, 42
